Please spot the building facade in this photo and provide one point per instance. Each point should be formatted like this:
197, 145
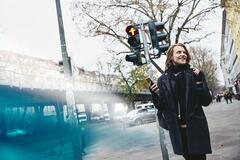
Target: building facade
230, 44
29, 72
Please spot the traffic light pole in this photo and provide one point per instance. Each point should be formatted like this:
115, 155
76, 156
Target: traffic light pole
70, 100
150, 74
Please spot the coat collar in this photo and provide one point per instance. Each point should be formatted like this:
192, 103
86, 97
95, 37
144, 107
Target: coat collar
173, 69
167, 83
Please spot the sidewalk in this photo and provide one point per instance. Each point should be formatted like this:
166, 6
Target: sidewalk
224, 125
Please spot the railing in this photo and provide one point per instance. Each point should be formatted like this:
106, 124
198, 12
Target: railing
21, 80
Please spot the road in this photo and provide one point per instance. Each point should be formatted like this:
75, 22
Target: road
115, 141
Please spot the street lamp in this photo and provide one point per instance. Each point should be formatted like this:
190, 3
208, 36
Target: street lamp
76, 132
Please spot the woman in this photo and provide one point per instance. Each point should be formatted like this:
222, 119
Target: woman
179, 96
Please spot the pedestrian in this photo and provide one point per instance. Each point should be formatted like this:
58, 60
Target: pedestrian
226, 97
179, 96
229, 95
218, 98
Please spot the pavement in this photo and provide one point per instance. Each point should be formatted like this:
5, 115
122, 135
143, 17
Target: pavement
118, 142
224, 126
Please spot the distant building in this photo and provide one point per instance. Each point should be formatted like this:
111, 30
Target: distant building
29, 72
230, 44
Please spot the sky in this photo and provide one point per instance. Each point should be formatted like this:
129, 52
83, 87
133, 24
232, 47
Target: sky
30, 27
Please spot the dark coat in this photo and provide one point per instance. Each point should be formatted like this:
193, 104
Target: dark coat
197, 95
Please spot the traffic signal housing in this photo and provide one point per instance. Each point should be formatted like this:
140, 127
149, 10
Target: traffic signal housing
135, 44
135, 58
158, 37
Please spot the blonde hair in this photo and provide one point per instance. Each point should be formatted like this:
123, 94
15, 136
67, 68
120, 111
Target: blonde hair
169, 61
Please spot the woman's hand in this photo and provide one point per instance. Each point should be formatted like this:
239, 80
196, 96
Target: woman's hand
198, 76
154, 88
196, 71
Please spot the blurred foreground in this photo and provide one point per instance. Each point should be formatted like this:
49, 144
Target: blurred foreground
118, 141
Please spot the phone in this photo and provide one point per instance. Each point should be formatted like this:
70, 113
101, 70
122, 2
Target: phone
150, 82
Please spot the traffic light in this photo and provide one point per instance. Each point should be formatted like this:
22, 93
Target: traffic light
133, 37
158, 37
136, 58
135, 45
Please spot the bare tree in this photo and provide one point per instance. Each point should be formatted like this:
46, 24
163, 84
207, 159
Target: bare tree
202, 59
109, 18
105, 75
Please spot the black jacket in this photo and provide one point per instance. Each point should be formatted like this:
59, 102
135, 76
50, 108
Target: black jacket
197, 95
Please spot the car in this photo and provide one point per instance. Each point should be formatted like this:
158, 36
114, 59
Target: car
16, 132
82, 117
100, 117
141, 116
144, 105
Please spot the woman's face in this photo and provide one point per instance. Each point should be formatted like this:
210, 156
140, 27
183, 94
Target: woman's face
179, 55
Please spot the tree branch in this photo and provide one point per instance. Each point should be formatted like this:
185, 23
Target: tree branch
186, 20
143, 11
199, 39
203, 12
114, 34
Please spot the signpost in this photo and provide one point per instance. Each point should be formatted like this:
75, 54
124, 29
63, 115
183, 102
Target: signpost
157, 49
75, 129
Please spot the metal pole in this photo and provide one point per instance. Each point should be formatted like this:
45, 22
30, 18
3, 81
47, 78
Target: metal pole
70, 100
150, 74
66, 64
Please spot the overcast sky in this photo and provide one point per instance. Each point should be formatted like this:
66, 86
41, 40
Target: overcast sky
30, 27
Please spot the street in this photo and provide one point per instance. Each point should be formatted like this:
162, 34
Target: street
115, 141
77, 78
143, 141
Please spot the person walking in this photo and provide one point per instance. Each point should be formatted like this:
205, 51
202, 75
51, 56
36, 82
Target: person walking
179, 96
218, 99
226, 96
229, 95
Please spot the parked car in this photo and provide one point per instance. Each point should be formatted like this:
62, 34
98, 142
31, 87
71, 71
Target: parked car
141, 116
82, 117
16, 132
100, 117
144, 105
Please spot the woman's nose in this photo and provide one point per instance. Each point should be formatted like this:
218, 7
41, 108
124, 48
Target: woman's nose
182, 54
